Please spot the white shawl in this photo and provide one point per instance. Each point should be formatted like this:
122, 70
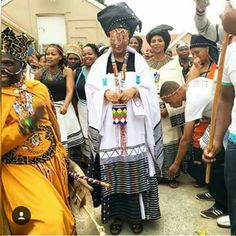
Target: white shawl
100, 112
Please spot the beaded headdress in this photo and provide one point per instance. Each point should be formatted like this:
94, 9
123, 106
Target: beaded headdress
119, 16
15, 45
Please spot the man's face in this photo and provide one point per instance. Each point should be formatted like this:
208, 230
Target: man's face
174, 101
11, 70
183, 52
119, 40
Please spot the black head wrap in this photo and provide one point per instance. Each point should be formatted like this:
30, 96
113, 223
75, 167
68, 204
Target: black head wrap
118, 16
199, 41
163, 31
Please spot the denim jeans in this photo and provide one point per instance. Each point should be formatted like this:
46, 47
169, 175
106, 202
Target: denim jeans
230, 181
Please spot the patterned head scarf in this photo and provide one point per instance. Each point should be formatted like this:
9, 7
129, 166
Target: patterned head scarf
73, 49
15, 45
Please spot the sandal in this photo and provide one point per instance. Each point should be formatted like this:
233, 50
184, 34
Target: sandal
137, 228
116, 227
174, 184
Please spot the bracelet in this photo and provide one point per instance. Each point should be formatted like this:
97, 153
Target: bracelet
27, 126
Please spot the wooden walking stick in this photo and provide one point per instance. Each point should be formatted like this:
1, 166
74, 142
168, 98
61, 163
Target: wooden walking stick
215, 101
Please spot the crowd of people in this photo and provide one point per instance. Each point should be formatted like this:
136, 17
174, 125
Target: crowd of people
129, 118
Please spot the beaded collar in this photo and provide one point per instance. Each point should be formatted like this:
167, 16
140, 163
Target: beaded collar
50, 76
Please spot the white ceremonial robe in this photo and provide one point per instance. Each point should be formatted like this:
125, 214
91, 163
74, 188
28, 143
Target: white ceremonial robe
143, 132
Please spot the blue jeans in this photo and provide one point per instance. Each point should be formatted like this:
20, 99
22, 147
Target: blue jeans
230, 181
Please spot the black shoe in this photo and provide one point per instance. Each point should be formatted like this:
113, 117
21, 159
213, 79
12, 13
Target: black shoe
211, 213
205, 196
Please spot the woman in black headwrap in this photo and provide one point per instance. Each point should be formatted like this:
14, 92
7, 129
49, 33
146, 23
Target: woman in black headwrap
159, 40
205, 57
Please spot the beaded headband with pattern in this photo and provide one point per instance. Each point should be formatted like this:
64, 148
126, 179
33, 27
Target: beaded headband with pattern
15, 45
171, 94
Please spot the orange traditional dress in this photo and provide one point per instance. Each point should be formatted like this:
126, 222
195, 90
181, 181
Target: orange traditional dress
33, 167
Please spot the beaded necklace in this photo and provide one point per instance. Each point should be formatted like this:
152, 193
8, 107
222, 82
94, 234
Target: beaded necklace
57, 76
119, 84
23, 104
119, 88
23, 107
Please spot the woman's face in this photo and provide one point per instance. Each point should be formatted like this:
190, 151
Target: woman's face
73, 61
11, 70
89, 56
52, 56
201, 54
119, 40
133, 42
157, 44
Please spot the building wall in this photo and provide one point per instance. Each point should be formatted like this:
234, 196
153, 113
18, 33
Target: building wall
80, 18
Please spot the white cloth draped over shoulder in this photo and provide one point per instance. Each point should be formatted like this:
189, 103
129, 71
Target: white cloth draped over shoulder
172, 71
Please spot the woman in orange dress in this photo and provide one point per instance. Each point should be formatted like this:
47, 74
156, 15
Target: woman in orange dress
33, 167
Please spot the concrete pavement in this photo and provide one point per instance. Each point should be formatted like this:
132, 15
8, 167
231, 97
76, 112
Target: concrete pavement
180, 213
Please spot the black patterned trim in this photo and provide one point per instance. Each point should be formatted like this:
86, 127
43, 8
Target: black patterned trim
177, 120
12, 158
94, 139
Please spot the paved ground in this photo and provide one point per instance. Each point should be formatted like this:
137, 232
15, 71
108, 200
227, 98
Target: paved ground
180, 213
